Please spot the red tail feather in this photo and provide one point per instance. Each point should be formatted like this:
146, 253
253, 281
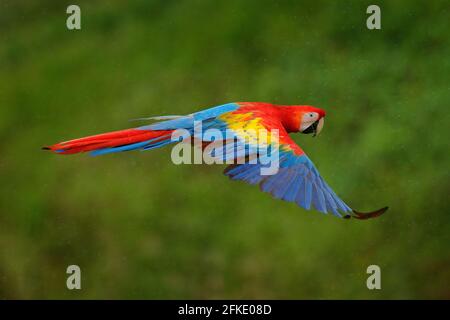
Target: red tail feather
107, 140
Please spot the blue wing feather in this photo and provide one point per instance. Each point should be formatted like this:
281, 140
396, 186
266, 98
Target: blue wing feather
187, 122
293, 187
297, 180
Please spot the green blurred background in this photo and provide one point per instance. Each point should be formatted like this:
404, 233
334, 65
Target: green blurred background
141, 227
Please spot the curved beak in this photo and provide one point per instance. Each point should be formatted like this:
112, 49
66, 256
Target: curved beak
319, 126
315, 128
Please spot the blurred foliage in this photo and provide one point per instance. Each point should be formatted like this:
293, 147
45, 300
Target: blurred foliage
141, 227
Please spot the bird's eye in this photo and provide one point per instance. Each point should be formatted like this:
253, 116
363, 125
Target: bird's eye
311, 115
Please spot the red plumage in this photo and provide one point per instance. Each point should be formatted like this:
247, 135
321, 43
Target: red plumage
106, 140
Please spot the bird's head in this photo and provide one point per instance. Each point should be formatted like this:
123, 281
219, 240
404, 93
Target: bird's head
303, 119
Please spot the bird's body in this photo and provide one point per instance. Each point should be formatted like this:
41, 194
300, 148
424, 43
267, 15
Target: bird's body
296, 180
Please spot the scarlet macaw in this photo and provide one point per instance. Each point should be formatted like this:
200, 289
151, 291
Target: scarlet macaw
297, 179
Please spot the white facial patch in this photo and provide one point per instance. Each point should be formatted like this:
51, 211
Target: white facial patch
308, 119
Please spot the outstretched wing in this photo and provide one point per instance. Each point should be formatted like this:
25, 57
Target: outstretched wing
297, 179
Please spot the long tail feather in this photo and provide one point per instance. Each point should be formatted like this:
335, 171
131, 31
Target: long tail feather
117, 141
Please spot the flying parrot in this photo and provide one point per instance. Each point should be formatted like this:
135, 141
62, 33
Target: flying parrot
296, 180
